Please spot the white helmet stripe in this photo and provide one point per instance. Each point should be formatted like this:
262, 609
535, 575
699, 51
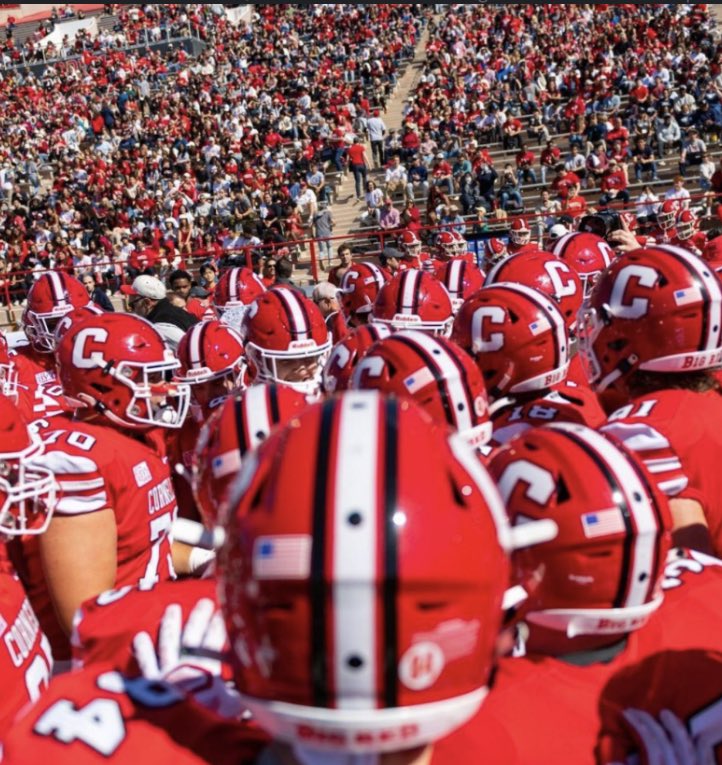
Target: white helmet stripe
454, 278
257, 420
296, 314
56, 287
378, 274
410, 282
459, 401
640, 581
233, 285
355, 552
712, 284
194, 346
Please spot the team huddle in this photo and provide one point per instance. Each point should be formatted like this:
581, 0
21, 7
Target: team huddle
458, 517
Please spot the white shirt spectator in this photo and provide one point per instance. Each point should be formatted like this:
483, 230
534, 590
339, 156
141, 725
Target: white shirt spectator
376, 128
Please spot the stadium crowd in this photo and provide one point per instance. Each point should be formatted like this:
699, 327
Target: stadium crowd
454, 506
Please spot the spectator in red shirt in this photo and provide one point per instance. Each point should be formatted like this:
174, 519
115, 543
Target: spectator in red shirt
564, 182
525, 165
614, 185
512, 133
550, 158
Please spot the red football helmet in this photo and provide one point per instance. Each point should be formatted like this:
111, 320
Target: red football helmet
359, 289
588, 254
27, 489
519, 232
687, 225
517, 336
461, 279
462, 246
667, 215
287, 340
601, 573
240, 425
546, 273
347, 354
118, 364
414, 300
211, 362
338, 597
52, 296
8, 373
657, 309
410, 243
496, 252
436, 374
446, 244
73, 317
237, 289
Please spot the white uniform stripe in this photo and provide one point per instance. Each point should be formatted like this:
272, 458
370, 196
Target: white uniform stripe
255, 406
299, 323
355, 549
459, 402
408, 296
640, 577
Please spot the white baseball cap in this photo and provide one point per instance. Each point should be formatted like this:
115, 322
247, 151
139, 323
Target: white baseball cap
147, 287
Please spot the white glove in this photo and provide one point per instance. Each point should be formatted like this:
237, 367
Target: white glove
190, 657
665, 741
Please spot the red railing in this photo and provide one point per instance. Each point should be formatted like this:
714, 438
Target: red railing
378, 236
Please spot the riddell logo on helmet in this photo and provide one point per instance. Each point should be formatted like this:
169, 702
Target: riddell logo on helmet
370, 738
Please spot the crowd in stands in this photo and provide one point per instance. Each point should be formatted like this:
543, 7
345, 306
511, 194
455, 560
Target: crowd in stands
588, 103
131, 156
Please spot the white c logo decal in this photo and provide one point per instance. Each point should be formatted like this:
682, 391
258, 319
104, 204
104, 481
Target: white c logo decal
647, 277
495, 341
95, 358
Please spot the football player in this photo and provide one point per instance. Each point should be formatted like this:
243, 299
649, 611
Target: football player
520, 342
27, 500
651, 340
116, 504
52, 296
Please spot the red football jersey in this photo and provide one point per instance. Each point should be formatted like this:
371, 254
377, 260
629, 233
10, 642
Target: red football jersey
566, 403
180, 445
687, 683
98, 467
690, 426
25, 659
98, 717
544, 711
694, 245
40, 392
104, 628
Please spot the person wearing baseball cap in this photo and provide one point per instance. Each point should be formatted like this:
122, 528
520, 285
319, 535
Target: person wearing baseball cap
147, 297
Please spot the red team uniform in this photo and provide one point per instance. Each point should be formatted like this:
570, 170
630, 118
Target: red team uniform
26, 663
691, 425
40, 393
98, 468
544, 711
96, 716
565, 403
104, 628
